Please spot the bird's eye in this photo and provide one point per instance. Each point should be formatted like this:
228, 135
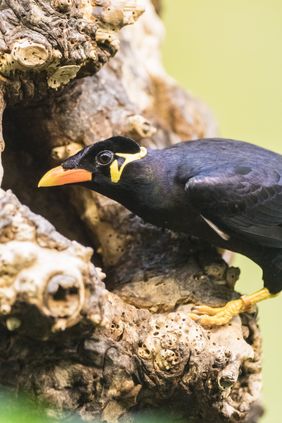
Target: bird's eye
104, 158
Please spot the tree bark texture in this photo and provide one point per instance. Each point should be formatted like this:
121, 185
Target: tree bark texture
106, 345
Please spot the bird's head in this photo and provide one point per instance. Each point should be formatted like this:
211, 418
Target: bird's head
97, 166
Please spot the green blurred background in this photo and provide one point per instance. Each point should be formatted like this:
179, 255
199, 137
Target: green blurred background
229, 54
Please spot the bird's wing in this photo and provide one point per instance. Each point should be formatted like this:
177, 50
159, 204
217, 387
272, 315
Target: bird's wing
244, 200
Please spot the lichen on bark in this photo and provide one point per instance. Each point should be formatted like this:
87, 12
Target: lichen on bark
69, 340
49, 43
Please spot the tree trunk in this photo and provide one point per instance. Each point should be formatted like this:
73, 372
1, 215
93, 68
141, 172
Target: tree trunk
68, 340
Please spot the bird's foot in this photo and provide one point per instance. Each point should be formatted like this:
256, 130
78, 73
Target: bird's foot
218, 316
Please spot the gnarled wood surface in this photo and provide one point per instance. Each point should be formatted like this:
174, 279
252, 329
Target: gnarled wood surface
106, 351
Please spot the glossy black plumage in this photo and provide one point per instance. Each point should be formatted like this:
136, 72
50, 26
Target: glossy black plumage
224, 191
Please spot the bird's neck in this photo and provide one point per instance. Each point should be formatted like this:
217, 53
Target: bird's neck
149, 190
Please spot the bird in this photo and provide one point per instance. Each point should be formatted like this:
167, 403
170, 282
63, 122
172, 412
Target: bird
224, 191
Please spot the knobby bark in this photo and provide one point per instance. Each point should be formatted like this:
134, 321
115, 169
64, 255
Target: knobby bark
106, 347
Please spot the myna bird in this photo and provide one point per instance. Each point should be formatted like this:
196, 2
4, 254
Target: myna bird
226, 192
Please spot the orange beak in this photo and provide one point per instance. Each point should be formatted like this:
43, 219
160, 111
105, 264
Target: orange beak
60, 176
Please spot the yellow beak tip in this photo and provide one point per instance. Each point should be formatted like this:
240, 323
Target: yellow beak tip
41, 183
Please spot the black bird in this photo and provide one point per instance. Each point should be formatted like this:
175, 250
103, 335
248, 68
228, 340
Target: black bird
226, 192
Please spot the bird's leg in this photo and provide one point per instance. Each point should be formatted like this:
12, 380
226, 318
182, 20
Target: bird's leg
217, 316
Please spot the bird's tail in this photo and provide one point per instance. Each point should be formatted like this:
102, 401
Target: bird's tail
272, 271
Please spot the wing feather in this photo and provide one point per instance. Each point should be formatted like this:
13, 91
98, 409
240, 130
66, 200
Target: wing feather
248, 204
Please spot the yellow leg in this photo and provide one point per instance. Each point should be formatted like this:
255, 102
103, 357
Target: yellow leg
217, 316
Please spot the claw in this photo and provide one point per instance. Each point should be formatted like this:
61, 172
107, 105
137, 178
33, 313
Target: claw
204, 309
218, 316
218, 319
